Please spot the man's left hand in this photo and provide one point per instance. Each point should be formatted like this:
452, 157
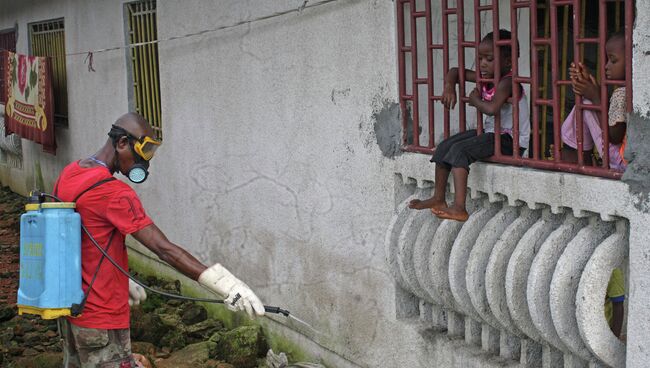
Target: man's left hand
136, 293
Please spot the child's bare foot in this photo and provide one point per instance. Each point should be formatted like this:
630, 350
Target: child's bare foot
452, 213
431, 203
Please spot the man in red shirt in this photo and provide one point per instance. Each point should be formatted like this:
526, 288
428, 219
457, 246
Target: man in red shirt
110, 209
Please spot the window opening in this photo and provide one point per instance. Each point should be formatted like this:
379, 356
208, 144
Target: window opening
144, 62
8, 43
551, 34
48, 39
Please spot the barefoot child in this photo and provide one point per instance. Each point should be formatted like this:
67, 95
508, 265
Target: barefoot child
585, 85
455, 154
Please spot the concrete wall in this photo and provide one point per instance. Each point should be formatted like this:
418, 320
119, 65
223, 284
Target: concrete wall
271, 164
279, 160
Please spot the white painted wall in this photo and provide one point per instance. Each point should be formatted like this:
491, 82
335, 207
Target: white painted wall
268, 155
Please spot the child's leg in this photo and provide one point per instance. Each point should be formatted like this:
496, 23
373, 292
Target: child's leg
569, 154
460, 156
569, 133
437, 201
457, 210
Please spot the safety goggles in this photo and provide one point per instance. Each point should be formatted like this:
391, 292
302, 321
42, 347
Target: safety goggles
144, 146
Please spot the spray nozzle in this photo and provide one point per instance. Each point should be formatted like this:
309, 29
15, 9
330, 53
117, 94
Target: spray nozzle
276, 310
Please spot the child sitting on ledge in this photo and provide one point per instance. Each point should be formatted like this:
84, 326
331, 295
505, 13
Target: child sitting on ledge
455, 154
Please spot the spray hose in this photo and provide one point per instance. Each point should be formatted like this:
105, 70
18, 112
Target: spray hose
79, 307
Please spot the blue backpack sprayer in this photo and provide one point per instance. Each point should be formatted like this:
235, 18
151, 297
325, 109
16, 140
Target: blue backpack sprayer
50, 260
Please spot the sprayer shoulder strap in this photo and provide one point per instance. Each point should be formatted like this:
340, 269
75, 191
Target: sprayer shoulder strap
103, 181
56, 187
79, 307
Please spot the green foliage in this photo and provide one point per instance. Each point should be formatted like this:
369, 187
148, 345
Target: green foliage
152, 302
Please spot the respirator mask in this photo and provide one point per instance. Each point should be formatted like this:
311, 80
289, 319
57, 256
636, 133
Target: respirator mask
143, 150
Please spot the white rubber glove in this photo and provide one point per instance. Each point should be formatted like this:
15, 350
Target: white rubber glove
136, 293
238, 295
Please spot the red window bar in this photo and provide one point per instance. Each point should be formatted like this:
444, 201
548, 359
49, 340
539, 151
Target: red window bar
7, 43
408, 13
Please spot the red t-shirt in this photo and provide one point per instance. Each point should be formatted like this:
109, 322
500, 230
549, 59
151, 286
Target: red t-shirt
110, 206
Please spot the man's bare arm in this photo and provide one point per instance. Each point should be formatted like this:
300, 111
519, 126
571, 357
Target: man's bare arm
154, 239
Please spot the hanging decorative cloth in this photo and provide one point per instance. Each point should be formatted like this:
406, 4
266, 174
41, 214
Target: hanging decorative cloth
29, 111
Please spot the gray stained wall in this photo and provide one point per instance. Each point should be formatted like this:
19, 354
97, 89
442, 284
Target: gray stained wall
279, 158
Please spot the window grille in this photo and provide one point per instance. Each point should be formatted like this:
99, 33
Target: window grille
48, 39
435, 35
144, 62
7, 43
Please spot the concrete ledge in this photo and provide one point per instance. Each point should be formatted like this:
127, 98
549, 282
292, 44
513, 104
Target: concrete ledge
515, 266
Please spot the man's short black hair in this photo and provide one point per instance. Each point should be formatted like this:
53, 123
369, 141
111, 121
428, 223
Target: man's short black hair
506, 50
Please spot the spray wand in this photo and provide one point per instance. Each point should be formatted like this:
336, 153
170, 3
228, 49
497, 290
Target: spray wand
77, 308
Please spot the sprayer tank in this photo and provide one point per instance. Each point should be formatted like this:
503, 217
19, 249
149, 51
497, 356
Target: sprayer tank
50, 260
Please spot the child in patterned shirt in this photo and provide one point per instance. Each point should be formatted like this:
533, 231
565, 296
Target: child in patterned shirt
585, 85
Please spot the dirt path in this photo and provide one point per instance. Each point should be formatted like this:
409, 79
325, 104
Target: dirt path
11, 207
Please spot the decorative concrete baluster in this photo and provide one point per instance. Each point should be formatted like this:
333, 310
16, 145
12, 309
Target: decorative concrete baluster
433, 315
518, 270
509, 346
541, 274
479, 256
405, 247
431, 257
531, 354
436, 282
455, 324
490, 338
402, 213
473, 331
495, 273
598, 364
590, 311
422, 252
460, 255
436, 316
574, 361
406, 304
564, 285
552, 357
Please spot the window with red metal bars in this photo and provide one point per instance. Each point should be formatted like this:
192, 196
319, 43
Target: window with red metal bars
436, 35
7, 43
